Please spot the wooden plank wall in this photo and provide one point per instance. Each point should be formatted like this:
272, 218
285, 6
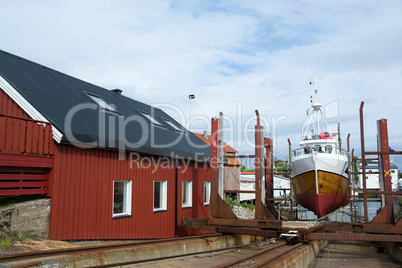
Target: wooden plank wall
9, 107
23, 181
231, 177
23, 142
197, 173
82, 193
25, 136
19, 134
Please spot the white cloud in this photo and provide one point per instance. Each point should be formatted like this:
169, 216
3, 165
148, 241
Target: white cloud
255, 52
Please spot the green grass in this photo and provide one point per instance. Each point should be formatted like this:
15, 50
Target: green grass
6, 242
231, 202
250, 206
25, 236
8, 239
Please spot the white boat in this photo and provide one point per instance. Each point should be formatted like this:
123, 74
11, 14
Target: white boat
319, 167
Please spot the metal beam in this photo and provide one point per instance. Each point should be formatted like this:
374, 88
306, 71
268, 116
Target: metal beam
217, 207
353, 237
198, 224
248, 231
245, 223
363, 161
258, 171
363, 228
240, 191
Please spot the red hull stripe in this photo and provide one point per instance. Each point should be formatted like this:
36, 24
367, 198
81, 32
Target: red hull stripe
322, 204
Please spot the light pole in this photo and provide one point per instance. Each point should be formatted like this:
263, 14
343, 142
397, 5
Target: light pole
190, 97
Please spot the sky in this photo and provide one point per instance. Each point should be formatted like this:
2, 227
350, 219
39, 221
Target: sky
234, 56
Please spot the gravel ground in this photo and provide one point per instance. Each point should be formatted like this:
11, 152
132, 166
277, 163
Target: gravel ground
243, 213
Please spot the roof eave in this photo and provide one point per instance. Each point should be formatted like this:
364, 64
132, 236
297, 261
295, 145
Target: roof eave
25, 105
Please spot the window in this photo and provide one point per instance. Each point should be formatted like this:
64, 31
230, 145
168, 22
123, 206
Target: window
150, 118
102, 104
207, 192
187, 194
170, 123
160, 195
121, 198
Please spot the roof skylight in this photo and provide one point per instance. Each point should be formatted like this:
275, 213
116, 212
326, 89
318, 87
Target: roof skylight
102, 104
150, 118
174, 126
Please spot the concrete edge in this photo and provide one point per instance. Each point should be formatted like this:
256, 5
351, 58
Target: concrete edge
302, 256
394, 250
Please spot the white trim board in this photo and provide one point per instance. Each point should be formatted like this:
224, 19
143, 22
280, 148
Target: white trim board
27, 107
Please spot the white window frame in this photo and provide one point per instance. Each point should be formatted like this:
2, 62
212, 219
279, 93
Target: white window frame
207, 192
162, 196
187, 194
126, 200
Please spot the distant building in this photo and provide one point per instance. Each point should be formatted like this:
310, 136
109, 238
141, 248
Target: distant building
372, 180
247, 183
231, 170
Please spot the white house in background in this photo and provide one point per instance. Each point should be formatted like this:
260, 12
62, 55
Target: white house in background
372, 180
247, 183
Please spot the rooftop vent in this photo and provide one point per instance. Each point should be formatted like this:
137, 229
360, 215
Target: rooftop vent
205, 134
117, 91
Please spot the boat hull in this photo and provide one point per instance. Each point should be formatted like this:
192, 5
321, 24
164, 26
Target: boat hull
320, 183
322, 204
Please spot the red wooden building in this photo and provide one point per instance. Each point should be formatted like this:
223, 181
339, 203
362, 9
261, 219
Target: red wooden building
113, 167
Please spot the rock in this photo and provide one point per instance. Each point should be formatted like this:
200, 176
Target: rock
243, 213
31, 217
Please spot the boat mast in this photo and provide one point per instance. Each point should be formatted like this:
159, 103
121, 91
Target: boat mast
316, 105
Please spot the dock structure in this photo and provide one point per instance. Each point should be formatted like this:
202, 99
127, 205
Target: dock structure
382, 228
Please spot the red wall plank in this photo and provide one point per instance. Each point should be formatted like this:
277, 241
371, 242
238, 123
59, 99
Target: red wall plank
25, 177
83, 196
23, 192
9, 107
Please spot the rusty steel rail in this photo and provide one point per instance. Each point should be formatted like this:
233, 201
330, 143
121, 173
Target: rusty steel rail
173, 256
266, 260
90, 248
249, 256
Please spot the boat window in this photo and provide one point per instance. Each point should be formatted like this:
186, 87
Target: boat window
318, 148
307, 150
328, 148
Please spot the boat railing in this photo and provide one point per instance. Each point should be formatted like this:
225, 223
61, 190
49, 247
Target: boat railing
318, 149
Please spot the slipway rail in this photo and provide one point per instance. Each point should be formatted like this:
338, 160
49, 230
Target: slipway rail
96, 255
37, 256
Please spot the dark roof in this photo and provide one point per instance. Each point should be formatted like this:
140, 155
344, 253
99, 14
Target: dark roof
57, 96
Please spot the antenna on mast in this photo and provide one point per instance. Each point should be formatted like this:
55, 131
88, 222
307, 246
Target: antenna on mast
313, 80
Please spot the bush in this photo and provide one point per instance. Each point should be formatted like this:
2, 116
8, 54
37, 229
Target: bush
230, 202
